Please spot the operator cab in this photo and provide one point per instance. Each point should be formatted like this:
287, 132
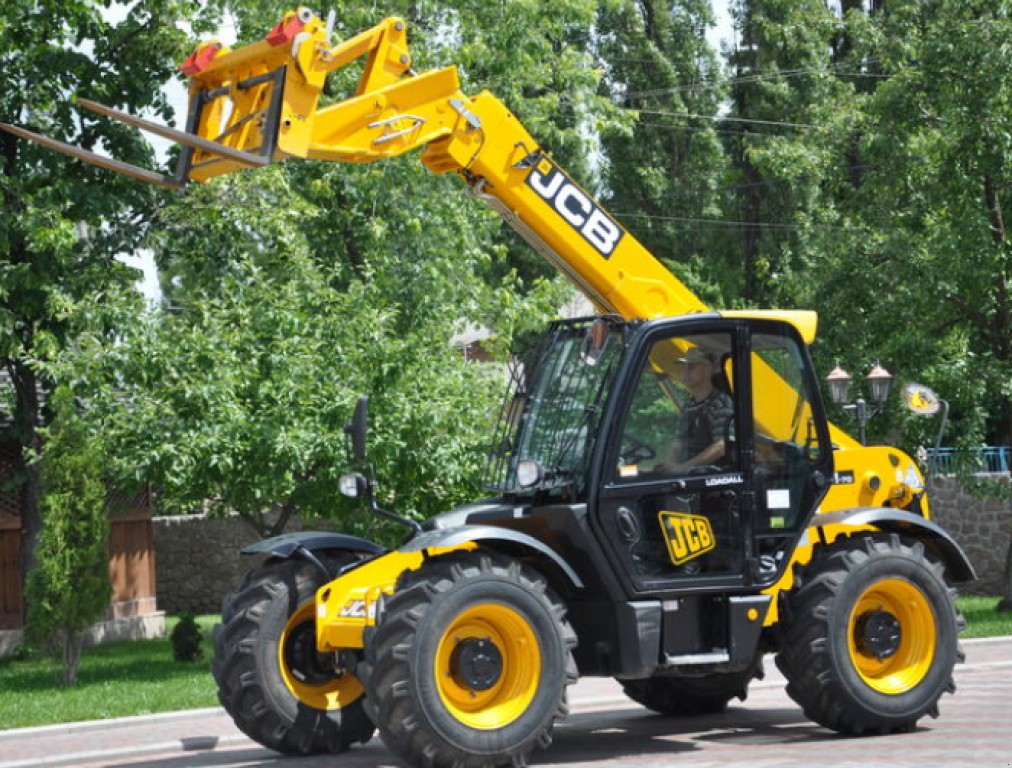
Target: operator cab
698, 444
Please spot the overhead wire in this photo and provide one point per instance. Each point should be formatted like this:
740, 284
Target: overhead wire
728, 118
744, 79
716, 223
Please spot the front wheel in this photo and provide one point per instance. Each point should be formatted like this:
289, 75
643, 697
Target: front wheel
279, 691
469, 663
870, 637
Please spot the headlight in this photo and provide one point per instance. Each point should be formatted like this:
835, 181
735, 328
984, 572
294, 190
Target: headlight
528, 473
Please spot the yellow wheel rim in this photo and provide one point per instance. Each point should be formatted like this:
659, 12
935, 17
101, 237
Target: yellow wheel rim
514, 689
326, 693
908, 662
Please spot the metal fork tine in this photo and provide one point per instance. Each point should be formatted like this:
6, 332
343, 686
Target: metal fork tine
100, 160
180, 137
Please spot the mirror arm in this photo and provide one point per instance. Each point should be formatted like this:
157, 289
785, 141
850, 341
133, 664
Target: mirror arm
378, 510
933, 458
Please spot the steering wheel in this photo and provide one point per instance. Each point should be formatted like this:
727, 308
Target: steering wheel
636, 449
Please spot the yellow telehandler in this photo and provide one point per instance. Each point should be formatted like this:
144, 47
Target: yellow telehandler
669, 502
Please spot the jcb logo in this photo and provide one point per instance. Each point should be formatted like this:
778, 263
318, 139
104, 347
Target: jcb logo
353, 610
576, 207
688, 536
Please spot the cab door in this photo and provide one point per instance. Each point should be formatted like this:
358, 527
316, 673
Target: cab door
789, 447
672, 499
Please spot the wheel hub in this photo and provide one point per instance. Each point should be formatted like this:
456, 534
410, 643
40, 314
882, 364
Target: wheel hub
302, 659
477, 663
879, 634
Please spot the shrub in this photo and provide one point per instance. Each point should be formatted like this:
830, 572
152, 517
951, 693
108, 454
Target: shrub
186, 638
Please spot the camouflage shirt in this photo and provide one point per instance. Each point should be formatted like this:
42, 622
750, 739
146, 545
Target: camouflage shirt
706, 422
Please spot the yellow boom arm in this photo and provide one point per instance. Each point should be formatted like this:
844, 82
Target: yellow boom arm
260, 104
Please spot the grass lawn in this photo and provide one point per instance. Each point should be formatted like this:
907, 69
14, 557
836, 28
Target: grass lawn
141, 677
114, 680
982, 620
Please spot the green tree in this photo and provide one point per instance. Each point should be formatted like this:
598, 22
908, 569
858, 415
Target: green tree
69, 588
238, 402
294, 289
57, 244
666, 169
790, 117
905, 228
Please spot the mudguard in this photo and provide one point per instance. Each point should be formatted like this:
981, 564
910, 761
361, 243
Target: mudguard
347, 606
938, 541
287, 544
450, 538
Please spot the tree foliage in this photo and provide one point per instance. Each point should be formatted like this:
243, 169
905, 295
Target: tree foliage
69, 588
292, 290
894, 201
856, 162
666, 168
63, 222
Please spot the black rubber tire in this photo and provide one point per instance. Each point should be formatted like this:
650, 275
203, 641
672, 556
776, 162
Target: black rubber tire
816, 659
247, 670
399, 670
687, 696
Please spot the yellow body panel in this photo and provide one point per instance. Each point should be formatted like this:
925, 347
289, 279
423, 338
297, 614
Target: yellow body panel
347, 605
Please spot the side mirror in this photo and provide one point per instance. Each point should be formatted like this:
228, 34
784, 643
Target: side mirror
358, 428
595, 341
354, 485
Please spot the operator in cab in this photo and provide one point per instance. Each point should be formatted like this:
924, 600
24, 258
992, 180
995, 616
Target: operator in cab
704, 423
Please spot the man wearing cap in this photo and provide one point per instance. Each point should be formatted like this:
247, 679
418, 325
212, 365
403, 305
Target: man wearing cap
704, 423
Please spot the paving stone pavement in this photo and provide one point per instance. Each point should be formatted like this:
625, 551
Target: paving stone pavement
605, 728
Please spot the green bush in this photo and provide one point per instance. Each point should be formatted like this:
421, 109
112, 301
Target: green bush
186, 638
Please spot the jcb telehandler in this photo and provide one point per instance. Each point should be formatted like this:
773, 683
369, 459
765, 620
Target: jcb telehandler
610, 546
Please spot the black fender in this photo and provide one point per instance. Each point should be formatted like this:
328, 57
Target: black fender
934, 537
454, 537
305, 544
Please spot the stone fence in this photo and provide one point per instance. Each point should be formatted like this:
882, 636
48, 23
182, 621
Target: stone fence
198, 558
982, 527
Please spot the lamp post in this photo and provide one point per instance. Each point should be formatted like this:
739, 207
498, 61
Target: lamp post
879, 383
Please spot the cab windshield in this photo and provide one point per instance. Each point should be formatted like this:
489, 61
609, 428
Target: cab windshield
559, 391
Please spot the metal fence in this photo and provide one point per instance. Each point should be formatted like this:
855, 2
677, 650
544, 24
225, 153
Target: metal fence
949, 461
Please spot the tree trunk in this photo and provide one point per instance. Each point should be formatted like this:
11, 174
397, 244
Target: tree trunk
72, 644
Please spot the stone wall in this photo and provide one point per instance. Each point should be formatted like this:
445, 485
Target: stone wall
198, 558
982, 527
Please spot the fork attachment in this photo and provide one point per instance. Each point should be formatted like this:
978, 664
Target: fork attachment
258, 104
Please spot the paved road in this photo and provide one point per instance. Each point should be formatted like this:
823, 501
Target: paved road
975, 729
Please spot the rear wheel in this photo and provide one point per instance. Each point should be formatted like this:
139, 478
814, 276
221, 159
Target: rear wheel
469, 663
271, 680
685, 696
870, 636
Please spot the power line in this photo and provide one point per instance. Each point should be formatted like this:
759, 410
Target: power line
725, 118
744, 79
723, 132
726, 224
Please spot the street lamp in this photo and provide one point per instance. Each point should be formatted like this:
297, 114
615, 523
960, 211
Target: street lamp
879, 383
